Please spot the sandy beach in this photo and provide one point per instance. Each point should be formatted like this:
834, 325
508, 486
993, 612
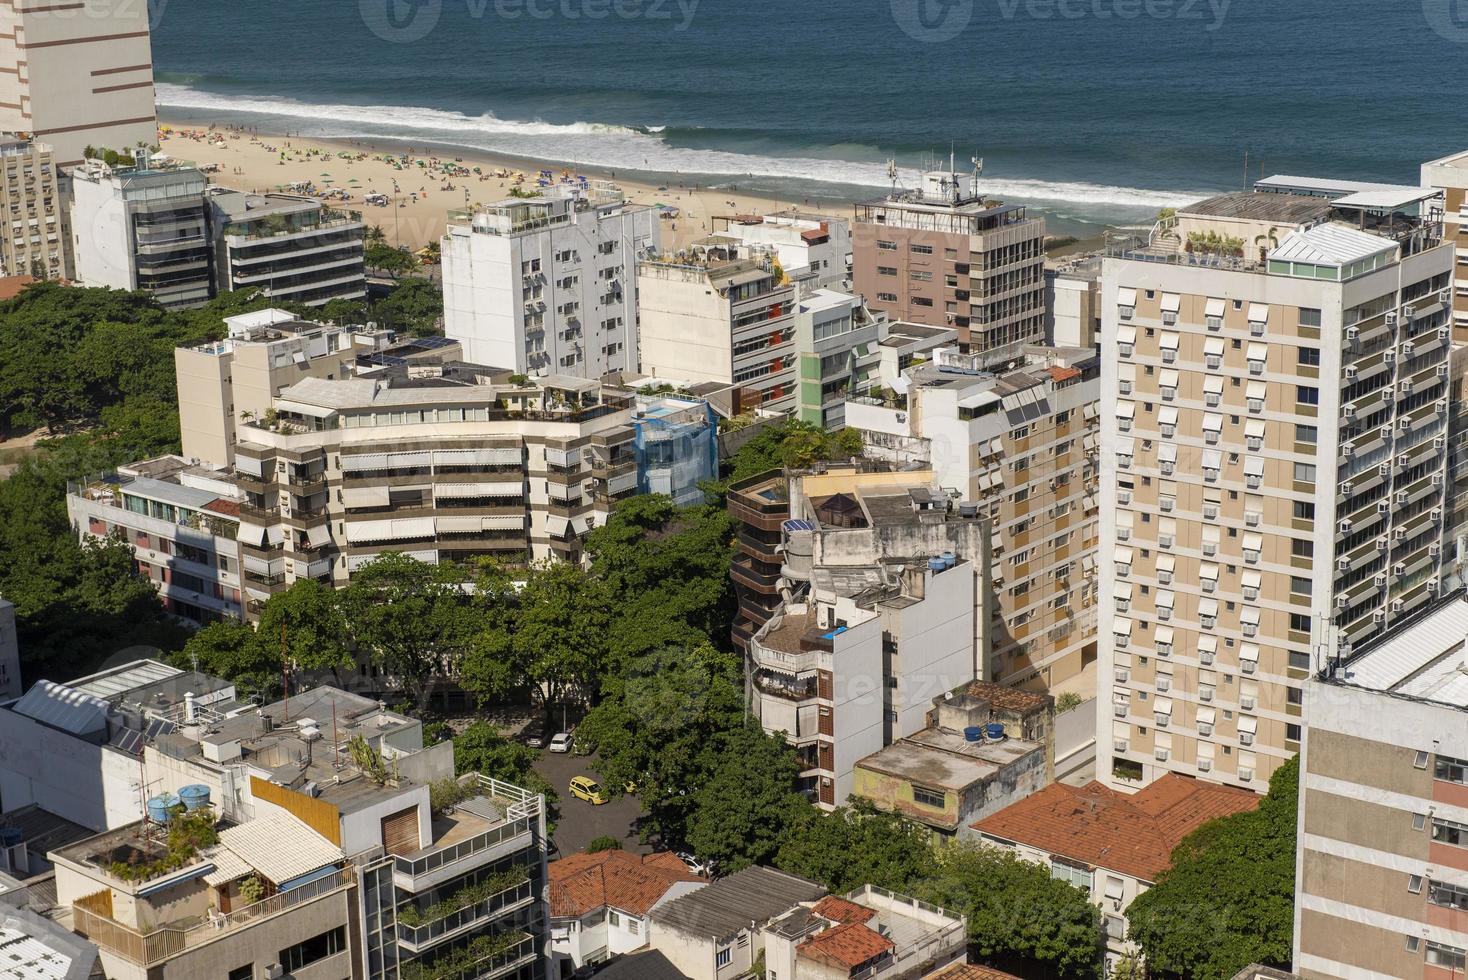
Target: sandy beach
348, 172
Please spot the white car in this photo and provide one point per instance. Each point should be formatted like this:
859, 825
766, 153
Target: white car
561, 743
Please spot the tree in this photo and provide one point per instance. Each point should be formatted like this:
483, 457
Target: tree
393, 261
856, 845
1228, 898
412, 618
413, 304
741, 811
793, 444
315, 629
1019, 918
232, 650
603, 843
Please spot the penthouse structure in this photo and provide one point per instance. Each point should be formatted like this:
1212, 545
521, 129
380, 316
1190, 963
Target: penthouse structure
456, 463
1382, 876
290, 248
181, 520
143, 227
1275, 406
1022, 446
813, 249
945, 256
721, 313
882, 579
78, 77
547, 284
299, 839
32, 239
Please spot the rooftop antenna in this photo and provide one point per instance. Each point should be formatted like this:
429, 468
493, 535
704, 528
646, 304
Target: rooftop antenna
978, 163
892, 172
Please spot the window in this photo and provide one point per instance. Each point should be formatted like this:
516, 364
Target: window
921, 275
928, 797
1292, 733
1439, 954
1072, 875
1307, 433
613, 917
313, 949
1419, 820
1414, 884
1299, 622
1304, 511
246, 972
886, 246
1413, 944
1304, 473
886, 297
1308, 356
920, 249
921, 301
1448, 832
722, 958
1300, 548
886, 270
1445, 894
1447, 768
1306, 395
1309, 318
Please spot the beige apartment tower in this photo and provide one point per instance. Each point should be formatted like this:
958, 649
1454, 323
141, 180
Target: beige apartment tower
32, 242
78, 74
1274, 406
945, 256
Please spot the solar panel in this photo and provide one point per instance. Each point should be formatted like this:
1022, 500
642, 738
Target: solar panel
129, 740
157, 727
433, 343
798, 524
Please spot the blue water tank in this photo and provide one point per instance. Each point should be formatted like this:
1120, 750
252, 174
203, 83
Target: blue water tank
949, 559
936, 564
974, 733
194, 797
994, 730
160, 807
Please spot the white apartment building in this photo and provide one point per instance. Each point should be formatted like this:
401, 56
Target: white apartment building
1274, 408
78, 75
32, 240
143, 227
547, 284
813, 249
723, 314
1021, 446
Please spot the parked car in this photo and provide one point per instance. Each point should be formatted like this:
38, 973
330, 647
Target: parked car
534, 735
561, 743
588, 789
695, 864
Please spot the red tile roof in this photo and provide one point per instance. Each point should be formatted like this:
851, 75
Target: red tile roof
969, 971
1134, 835
222, 506
11, 286
1063, 373
846, 946
583, 882
838, 909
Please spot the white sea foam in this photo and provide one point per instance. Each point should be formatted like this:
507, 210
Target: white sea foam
613, 147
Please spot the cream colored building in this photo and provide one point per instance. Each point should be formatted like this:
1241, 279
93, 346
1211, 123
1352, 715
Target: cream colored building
32, 240
722, 314
1273, 423
1021, 447
78, 75
1382, 874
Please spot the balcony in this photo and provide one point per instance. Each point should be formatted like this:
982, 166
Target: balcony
468, 919
468, 839
461, 964
754, 574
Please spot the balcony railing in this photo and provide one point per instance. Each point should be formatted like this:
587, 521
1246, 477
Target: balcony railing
418, 938
434, 865
147, 949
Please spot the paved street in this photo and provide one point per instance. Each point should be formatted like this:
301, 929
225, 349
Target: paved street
580, 822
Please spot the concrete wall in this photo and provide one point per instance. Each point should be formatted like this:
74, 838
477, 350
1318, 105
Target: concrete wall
858, 695
101, 235
684, 327
362, 829
94, 786
935, 645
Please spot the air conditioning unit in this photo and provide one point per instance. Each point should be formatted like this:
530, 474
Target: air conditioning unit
1349, 410
1408, 311
1346, 526
1344, 602
1382, 544
1386, 432
1403, 461
1390, 319
1378, 616
1398, 605
1382, 507
1402, 496
1444, 333
1439, 442
1404, 423
1246, 775
274, 971
1350, 372
1204, 765
1408, 348
1389, 357
1401, 534
1406, 386
1445, 296
1353, 333
1435, 515
1432, 585
1380, 581
1437, 479
1442, 370
1399, 569
1434, 549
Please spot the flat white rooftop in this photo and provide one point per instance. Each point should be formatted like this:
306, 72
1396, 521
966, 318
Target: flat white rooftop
1427, 658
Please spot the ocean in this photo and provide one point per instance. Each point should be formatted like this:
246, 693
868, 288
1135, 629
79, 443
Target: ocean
1095, 112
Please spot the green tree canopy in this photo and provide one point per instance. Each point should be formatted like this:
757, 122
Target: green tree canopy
1228, 899
856, 845
310, 614
747, 803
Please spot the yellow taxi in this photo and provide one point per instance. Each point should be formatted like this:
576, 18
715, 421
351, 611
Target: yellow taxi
588, 789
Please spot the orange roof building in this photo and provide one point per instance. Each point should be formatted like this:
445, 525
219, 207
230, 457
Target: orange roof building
849, 946
1101, 828
583, 883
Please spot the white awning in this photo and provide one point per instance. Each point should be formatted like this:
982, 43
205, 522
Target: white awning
1163, 706
404, 529
1166, 525
1207, 607
1126, 296
1124, 518
1208, 572
1169, 340
256, 467
1212, 422
464, 490
354, 498
459, 525
1167, 452
1164, 635
1253, 542
1258, 312
1126, 334
561, 457
510, 522
1210, 534
364, 461
1166, 563
318, 535
1258, 352
1123, 556
1206, 714
1248, 724
1249, 652
1251, 579
1214, 307
1249, 615
557, 527
1254, 466
1121, 626
1207, 643
1170, 302
476, 457
1212, 459
1167, 378
1167, 415
1205, 751
1256, 391
1126, 447
1125, 409
1213, 346
251, 534
1123, 590
1165, 599
1126, 372
303, 408
1213, 384
1254, 429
